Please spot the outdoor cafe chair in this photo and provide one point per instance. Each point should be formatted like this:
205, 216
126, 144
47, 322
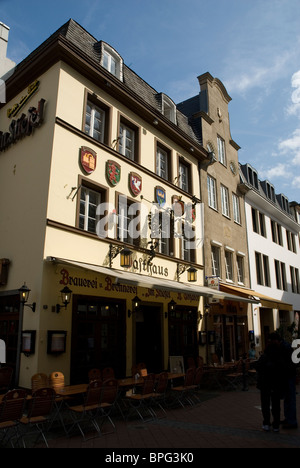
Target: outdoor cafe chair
108, 373
6, 374
87, 413
182, 393
95, 374
57, 380
159, 396
108, 401
140, 403
11, 412
38, 415
234, 378
38, 381
199, 374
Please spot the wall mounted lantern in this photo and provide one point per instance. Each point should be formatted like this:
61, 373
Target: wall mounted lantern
24, 292
66, 295
136, 302
126, 255
191, 272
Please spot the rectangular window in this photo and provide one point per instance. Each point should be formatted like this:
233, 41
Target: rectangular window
127, 142
128, 227
95, 122
212, 194
240, 269
163, 163
229, 266
184, 176
221, 151
225, 201
258, 223
165, 229
188, 237
266, 266
259, 271
89, 202
280, 271
215, 261
236, 208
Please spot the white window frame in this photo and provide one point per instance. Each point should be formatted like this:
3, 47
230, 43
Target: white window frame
184, 172
229, 265
240, 264
221, 151
225, 201
112, 61
85, 202
215, 261
212, 192
236, 209
168, 108
127, 142
90, 128
162, 158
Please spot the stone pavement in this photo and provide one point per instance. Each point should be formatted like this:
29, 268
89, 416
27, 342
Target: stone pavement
221, 420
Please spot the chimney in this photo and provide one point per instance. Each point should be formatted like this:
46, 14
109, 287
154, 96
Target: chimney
4, 32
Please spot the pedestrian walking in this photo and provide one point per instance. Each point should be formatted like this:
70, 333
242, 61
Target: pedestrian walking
272, 381
290, 407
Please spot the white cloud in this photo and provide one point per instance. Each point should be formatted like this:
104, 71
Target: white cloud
296, 182
294, 108
290, 145
281, 170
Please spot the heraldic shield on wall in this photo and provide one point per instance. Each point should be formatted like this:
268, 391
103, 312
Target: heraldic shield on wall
113, 173
136, 184
88, 159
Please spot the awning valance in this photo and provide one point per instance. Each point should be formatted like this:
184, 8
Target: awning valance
265, 301
126, 277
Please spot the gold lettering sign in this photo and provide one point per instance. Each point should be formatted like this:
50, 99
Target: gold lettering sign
32, 89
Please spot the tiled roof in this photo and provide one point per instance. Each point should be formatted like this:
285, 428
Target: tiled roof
91, 48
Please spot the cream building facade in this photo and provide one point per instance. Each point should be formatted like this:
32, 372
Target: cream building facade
94, 163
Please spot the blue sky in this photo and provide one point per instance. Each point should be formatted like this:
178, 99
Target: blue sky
253, 47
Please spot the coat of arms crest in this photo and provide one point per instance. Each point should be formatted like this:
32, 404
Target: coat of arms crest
136, 184
160, 196
88, 159
113, 172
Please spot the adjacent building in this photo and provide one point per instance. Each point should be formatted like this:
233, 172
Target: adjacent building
273, 239
225, 240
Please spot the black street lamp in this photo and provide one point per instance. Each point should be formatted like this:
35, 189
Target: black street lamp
24, 292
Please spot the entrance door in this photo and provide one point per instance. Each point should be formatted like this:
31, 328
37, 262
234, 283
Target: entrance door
9, 325
98, 336
149, 338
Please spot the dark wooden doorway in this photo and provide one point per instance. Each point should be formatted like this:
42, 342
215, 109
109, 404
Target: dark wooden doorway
98, 336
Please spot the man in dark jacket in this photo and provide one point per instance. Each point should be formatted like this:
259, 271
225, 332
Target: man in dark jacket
272, 380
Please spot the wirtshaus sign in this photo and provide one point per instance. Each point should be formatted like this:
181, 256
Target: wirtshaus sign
22, 127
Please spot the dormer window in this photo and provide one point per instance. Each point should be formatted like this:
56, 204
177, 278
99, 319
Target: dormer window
270, 191
168, 108
252, 177
285, 204
112, 61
